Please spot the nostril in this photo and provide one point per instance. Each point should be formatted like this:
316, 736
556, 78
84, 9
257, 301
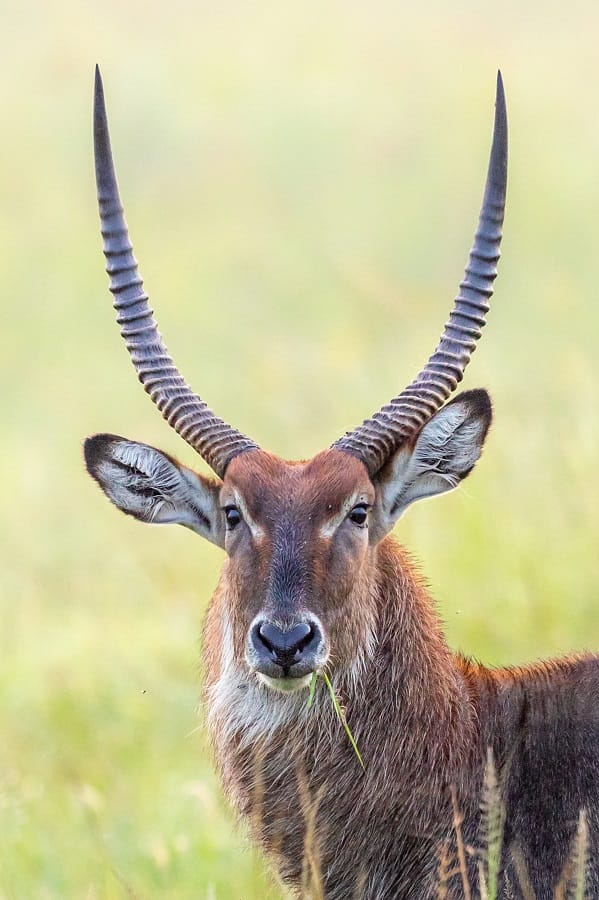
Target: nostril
270, 636
295, 638
284, 646
304, 639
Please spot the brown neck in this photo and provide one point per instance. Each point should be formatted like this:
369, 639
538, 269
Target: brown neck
413, 692
408, 708
405, 697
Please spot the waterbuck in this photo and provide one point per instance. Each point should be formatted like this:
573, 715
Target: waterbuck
314, 585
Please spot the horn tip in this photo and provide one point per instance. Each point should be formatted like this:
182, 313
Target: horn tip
100, 129
98, 90
98, 86
500, 107
499, 148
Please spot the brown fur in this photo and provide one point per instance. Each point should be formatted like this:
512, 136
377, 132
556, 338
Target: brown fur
425, 720
422, 717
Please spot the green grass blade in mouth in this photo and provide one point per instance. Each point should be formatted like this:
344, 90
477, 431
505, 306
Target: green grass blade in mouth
338, 709
341, 715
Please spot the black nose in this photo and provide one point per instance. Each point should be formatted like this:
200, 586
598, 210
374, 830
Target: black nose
285, 648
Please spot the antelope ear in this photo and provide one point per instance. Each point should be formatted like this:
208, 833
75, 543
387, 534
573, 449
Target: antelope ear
153, 487
444, 453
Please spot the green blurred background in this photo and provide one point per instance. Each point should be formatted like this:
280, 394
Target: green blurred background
302, 183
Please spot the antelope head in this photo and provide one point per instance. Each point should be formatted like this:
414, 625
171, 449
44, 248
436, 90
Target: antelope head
300, 537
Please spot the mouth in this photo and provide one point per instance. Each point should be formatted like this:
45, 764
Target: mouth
286, 685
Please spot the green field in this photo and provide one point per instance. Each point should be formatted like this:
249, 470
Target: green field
302, 183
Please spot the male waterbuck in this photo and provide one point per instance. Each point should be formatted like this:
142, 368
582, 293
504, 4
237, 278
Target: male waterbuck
315, 587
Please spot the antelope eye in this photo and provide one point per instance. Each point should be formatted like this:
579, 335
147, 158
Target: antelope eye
233, 517
359, 514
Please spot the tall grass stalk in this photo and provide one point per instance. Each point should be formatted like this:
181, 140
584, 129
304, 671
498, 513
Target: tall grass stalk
445, 872
580, 856
522, 874
312, 883
457, 826
493, 815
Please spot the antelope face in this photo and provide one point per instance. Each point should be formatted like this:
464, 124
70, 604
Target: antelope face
299, 536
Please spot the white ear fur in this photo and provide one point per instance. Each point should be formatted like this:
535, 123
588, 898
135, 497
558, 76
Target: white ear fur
445, 452
153, 487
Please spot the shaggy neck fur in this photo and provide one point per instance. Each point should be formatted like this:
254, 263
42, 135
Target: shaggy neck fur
425, 721
292, 772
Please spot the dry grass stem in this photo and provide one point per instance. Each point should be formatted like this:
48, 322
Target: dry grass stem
522, 874
445, 872
312, 886
360, 885
580, 856
257, 803
457, 826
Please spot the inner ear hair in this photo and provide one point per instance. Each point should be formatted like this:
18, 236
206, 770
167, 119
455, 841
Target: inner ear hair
480, 407
152, 486
137, 478
124, 452
442, 455
451, 443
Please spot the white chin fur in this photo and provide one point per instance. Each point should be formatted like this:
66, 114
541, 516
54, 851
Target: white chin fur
285, 684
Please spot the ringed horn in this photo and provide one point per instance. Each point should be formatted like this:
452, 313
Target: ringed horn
215, 441
377, 438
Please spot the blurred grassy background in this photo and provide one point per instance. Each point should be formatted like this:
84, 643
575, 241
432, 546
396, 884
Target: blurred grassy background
302, 183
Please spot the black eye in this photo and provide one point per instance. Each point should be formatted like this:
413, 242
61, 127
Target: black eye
233, 517
359, 514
